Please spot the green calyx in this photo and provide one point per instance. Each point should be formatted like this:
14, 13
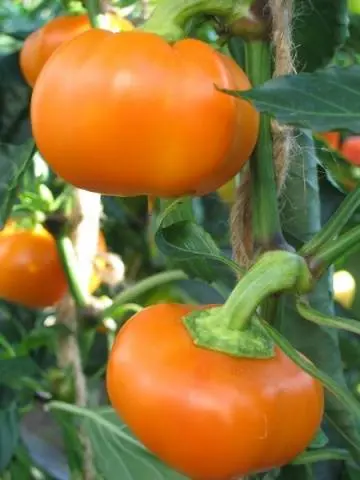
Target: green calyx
171, 16
233, 328
208, 329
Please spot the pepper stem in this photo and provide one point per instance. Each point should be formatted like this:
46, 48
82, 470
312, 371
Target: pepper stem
171, 16
233, 328
94, 10
272, 273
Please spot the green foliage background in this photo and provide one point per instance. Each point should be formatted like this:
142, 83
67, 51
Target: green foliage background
191, 235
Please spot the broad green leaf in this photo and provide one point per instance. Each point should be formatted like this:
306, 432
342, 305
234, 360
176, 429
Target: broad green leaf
352, 472
236, 47
13, 162
22, 466
350, 348
9, 434
320, 441
296, 472
301, 220
325, 100
13, 369
72, 448
319, 28
189, 246
14, 101
118, 458
16, 146
22, 19
43, 336
117, 453
173, 211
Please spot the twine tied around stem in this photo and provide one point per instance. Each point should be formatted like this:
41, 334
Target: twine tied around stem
240, 219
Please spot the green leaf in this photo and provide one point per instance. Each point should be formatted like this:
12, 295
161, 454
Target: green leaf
9, 434
301, 218
352, 472
318, 22
16, 145
13, 162
324, 100
296, 472
72, 447
321, 456
173, 211
15, 368
189, 246
117, 453
14, 101
353, 41
43, 336
320, 440
270, 475
350, 348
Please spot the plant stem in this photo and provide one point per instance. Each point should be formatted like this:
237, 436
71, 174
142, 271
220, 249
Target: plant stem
321, 455
142, 287
331, 251
8, 349
335, 224
171, 16
69, 263
122, 309
266, 226
94, 10
319, 318
273, 272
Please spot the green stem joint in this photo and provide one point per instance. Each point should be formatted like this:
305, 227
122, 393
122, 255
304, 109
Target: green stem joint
233, 328
170, 18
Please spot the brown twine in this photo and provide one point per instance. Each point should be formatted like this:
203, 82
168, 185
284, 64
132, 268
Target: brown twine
86, 219
240, 220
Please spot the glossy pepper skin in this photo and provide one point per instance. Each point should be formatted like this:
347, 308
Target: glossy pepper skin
31, 273
350, 149
332, 138
41, 44
128, 114
206, 414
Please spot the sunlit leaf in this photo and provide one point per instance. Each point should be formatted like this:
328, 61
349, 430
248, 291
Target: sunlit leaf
324, 100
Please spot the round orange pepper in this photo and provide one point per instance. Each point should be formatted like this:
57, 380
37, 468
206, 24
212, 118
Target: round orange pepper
207, 414
128, 114
40, 44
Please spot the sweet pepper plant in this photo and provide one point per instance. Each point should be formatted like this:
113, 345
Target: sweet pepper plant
179, 181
